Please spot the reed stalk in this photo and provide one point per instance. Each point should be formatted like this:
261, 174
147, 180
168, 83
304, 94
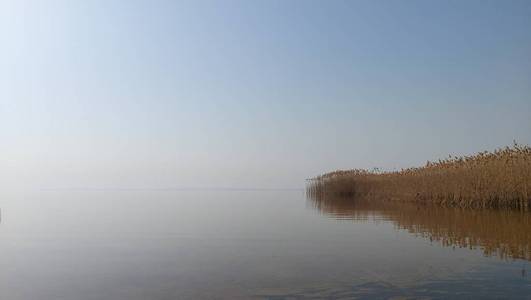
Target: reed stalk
499, 179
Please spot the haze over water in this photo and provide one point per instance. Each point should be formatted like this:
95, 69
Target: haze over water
159, 149
158, 94
252, 244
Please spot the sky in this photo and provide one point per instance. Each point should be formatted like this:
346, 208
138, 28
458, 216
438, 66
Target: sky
253, 94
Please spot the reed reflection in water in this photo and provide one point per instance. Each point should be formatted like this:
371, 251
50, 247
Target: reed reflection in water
502, 233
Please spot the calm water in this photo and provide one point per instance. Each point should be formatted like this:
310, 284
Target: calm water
253, 244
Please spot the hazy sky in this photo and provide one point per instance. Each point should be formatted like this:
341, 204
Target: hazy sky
253, 93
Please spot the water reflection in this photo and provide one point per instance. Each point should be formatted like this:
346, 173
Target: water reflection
253, 244
502, 233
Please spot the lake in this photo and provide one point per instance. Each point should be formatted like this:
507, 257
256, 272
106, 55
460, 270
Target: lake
263, 244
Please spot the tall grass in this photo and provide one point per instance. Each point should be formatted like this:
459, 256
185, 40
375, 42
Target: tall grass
499, 179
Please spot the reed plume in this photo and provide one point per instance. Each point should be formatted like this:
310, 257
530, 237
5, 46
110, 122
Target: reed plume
499, 179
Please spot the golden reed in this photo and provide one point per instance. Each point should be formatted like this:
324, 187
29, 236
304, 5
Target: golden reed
499, 179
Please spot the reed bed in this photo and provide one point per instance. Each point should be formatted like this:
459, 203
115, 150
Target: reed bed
499, 179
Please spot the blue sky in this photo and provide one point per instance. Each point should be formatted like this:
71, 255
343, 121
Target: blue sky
254, 93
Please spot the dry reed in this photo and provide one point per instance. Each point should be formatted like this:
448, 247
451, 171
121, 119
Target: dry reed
499, 179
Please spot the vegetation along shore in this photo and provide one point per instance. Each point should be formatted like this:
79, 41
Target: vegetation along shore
499, 179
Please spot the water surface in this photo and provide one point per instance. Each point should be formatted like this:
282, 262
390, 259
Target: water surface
254, 244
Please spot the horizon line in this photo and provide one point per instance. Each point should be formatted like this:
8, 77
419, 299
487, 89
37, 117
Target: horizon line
172, 189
